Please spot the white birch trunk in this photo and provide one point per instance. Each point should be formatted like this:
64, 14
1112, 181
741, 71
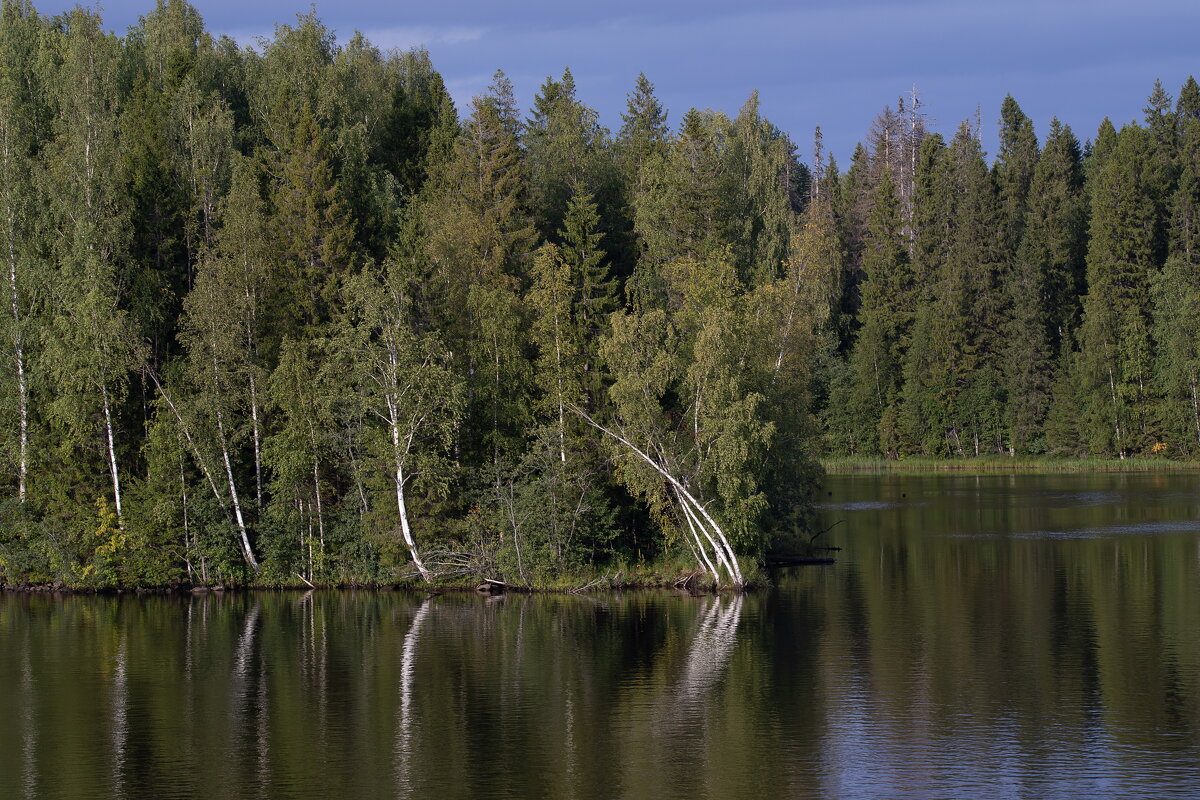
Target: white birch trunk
187, 539
562, 426
112, 457
320, 514
19, 357
258, 496
233, 496
721, 548
698, 548
516, 529
720, 543
358, 485
1195, 406
191, 443
1112, 386
401, 507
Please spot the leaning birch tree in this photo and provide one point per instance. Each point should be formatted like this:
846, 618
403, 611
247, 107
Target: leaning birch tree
213, 331
710, 411
655, 434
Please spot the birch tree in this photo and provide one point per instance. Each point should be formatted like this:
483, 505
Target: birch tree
22, 112
90, 347
222, 332
404, 380
701, 393
556, 337
299, 448
213, 333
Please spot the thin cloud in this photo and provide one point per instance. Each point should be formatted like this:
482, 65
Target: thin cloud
404, 37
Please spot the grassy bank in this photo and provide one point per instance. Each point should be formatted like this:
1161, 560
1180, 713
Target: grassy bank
1000, 464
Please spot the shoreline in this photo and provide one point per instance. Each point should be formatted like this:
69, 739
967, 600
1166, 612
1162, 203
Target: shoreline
689, 583
1006, 464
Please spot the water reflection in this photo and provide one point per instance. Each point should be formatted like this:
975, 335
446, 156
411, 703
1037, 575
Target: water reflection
29, 731
954, 650
710, 651
404, 721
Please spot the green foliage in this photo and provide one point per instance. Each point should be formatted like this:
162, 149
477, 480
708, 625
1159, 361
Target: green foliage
1176, 294
276, 315
544, 516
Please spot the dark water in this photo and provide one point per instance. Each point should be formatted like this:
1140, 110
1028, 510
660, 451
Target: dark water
979, 637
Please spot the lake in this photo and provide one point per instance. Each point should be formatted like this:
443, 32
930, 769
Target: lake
1000, 636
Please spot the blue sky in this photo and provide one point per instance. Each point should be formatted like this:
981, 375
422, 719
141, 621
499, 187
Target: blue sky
833, 64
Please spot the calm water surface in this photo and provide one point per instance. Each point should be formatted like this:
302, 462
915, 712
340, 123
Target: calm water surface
1000, 636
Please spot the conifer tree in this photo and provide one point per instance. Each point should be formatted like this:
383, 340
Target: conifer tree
644, 132
886, 315
314, 235
1114, 337
1054, 244
762, 193
1013, 173
933, 215
1176, 296
1160, 170
478, 237
851, 208
564, 145
679, 212
1028, 354
1184, 230
594, 291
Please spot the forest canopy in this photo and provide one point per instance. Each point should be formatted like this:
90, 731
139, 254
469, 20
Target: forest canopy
280, 314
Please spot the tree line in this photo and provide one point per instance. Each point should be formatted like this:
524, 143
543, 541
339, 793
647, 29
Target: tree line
280, 315
1043, 305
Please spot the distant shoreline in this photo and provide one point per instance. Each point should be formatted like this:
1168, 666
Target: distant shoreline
1006, 464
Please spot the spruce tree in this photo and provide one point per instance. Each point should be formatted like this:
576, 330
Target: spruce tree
1176, 296
887, 315
644, 132
761, 192
478, 237
594, 291
1114, 337
1013, 173
1160, 168
1055, 237
313, 233
679, 212
564, 144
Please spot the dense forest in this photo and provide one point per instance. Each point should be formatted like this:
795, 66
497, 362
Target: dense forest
279, 315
